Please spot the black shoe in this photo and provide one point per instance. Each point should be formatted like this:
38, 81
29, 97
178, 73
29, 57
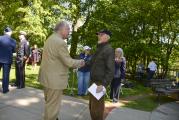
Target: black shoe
5, 91
57, 119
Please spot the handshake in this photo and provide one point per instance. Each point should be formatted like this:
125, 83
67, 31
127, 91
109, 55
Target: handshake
78, 64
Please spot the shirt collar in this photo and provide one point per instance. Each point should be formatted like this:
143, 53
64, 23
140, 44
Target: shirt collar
102, 44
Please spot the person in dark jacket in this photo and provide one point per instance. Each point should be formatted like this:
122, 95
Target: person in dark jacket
140, 69
7, 48
35, 56
83, 73
119, 75
102, 72
22, 55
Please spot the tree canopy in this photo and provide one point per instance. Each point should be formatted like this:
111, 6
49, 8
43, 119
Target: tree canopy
145, 29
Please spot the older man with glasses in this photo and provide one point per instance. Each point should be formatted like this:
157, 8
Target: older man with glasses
53, 73
102, 72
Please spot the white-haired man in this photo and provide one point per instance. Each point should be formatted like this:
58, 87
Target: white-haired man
53, 73
101, 73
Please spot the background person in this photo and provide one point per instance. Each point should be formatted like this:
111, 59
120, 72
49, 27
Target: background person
83, 73
35, 57
140, 71
119, 75
53, 74
7, 48
102, 72
152, 68
22, 55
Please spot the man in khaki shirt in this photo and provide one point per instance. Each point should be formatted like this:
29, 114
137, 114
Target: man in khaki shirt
53, 74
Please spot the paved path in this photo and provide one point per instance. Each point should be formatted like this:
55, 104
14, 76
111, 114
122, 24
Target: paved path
168, 111
128, 114
27, 104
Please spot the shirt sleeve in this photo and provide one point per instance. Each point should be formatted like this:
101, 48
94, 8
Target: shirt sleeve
65, 57
26, 49
14, 46
123, 69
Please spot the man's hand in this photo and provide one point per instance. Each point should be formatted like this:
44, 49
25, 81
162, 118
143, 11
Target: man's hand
99, 89
75, 70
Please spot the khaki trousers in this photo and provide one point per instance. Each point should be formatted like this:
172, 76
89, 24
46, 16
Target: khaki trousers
53, 99
96, 108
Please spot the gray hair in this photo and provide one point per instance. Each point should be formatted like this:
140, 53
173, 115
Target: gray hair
60, 25
121, 51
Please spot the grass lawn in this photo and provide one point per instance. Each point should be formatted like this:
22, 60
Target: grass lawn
146, 103
31, 77
32, 81
137, 90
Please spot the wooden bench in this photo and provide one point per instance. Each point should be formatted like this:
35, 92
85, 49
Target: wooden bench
163, 87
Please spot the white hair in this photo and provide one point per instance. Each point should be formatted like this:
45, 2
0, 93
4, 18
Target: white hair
60, 25
121, 51
8, 33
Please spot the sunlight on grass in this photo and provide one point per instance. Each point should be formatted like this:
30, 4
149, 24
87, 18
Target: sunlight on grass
148, 103
31, 79
137, 90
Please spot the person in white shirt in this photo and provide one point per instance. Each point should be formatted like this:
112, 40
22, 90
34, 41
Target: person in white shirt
152, 68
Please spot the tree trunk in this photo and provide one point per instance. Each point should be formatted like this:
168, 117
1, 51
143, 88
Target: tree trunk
74, 43
169, 51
